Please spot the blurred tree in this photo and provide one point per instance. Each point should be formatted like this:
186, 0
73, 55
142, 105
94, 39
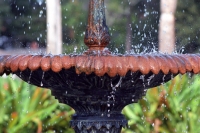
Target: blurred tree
54, 27
187, 25
4, 13
167, 26
23, 21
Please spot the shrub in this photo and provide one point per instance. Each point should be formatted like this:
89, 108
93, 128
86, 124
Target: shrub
26, 108
169, 108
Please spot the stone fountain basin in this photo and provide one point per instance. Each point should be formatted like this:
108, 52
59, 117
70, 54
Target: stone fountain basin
93, 77
111, 65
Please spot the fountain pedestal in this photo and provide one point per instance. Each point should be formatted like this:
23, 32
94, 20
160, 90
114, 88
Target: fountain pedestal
98, 106
100, 123
97, 101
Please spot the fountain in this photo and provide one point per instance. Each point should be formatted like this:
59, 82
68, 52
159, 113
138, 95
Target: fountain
97, 84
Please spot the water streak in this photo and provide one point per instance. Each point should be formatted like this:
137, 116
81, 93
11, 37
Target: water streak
29, 78
111, 97
41, 84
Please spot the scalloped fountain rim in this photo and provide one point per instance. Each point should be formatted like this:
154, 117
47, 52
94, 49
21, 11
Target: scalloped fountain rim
107, 64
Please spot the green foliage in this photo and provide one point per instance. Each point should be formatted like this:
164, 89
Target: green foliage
169, 108
26, 108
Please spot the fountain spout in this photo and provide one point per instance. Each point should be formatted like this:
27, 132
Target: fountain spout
97, 35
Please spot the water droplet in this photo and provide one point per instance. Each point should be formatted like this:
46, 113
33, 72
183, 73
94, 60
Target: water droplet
172, 76
163, 78
149, 79
29, 78
20, 74
142, 77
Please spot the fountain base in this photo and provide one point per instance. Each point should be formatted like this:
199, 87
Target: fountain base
102, 123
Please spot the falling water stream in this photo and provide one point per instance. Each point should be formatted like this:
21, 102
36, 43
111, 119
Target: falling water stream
111, 97
41, 84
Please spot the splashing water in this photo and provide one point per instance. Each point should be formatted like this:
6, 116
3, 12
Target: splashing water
20, 74
150, 78
111, 97
41, 84
163, 78
29, 78
75, 49
133, 100
172, 76
142, 77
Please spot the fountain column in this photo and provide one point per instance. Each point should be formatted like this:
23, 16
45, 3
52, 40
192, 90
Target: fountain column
97, 35
97, 115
